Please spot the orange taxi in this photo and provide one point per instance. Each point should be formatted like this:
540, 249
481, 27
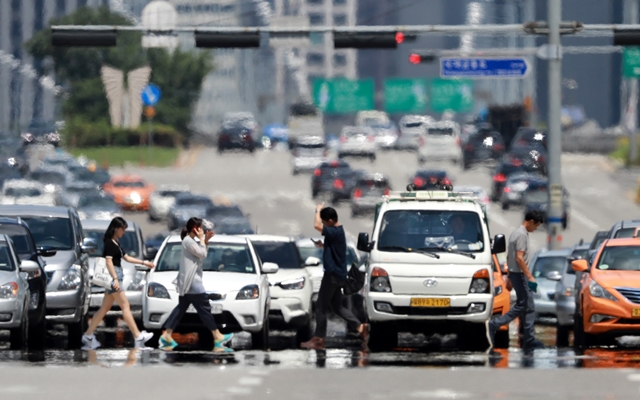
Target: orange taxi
501, 303
130, 192
608, 303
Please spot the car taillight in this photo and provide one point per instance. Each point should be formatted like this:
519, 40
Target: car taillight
357, 193
516, 162
371, 138
343, 139
446, 181
507, 189
419, 182
317, 172
499, 178
247, 137
386, 192
498, 147
338, 184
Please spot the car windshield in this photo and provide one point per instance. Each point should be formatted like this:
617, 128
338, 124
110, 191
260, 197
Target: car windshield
440, 131
96, 202
129, 242
224, 212
6, 261
227, 227
221, 257
285, 254
429, 229
544, 265
51, 231
193, 201
22, 192
125, 184
415, 124
170, 193
21, 239
98, 177
620, 258
51, 177
625, 233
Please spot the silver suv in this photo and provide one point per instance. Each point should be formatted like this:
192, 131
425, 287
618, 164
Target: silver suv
59, 228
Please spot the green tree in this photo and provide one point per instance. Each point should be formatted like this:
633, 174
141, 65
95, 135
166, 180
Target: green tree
179, 74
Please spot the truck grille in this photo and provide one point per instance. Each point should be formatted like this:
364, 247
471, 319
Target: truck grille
632, 294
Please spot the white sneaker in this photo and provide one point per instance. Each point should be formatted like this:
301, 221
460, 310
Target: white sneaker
143, 338
90, 342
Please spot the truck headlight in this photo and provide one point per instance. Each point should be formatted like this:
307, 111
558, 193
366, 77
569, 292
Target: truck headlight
292, 284
598, 291
137, 283
380, 281
248, 292
158, 291
71, 279
9, 290
480, 282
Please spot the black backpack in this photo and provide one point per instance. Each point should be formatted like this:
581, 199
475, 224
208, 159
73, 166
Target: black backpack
354, 282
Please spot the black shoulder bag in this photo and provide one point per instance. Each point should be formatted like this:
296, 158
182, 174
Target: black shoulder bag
354, 282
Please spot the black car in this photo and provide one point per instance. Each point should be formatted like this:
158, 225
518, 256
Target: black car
533, 159
323, 177
511, 164
529, 138
368, 193
25, 246
43, 132
484, 145
343, 184
236, 136
536, 197
431, 180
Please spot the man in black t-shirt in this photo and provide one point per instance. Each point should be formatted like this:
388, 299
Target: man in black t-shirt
334, 258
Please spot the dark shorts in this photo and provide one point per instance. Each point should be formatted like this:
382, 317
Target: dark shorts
120, 276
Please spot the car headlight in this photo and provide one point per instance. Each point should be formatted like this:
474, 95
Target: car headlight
11, 161
137, 283
158, 291
9, 290
49, 188
292, 284
134, 198
248, 292
497, 290
598, 291
71, 279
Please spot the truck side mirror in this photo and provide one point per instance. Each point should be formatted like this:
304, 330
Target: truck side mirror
363, 242
499, 244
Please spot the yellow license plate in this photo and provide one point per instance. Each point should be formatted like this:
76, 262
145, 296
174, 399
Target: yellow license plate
430, 302
635, 312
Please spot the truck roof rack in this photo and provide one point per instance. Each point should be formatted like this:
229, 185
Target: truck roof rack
431, 195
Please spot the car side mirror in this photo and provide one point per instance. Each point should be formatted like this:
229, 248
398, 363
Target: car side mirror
363, 242
269, 268
150, 254
554, 276
499, 244
312, 262
46, 251
89, 245
580, 265
29, 266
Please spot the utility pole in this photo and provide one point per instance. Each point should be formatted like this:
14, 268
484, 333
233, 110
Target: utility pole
631, 112
555, 212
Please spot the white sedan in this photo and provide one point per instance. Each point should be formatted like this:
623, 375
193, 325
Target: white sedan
22, 191
235, 281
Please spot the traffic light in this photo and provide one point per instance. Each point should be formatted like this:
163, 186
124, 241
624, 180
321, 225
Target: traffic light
227, 40
626, 37
416, 58
87, 38
367, 40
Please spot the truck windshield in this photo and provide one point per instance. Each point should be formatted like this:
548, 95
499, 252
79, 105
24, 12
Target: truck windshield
431, 229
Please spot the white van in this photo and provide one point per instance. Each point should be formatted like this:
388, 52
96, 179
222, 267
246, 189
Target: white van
440, 142
429, 269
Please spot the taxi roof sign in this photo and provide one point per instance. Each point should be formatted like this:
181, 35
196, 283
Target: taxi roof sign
430, 195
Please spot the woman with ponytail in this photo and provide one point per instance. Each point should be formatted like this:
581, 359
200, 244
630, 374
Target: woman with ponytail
114, 255
191, 289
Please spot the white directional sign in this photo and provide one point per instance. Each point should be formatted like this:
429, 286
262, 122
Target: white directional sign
463, 67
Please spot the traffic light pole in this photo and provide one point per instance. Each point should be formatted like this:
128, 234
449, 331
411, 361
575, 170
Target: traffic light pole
555, 212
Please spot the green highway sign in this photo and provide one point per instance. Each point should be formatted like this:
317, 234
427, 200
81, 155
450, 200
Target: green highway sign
405, 95
451, 94
631, 62
343, 96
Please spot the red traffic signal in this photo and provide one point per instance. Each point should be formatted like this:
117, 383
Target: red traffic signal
399, 37
416, 58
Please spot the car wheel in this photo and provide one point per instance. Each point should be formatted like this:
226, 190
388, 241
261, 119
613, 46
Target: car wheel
501, 341
562, 336
580, 337
38, 331
75, 332
305, 332
473, 337
18, 337
260, 339
383, 336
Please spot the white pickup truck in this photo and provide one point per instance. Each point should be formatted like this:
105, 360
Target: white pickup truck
430, 268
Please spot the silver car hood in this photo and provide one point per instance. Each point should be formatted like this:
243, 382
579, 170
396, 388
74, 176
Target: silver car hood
61, 261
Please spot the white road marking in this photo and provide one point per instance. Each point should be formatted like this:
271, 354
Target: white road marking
634, 377
18, 389
441, 394
239, 390
588, 222
250, 381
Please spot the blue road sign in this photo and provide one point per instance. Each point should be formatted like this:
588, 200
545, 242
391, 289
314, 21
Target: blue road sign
483, 68
151, 95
